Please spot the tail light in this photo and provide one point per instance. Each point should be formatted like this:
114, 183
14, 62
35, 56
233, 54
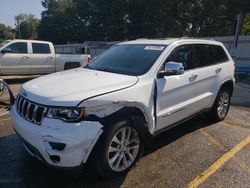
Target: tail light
89, 59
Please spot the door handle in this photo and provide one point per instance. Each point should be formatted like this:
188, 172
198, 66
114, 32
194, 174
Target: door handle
25, 57
49, 58
193, 77
218, 70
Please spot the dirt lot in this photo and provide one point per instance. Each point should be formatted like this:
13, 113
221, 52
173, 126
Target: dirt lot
195, 153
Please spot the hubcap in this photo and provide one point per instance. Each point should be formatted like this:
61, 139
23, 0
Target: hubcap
223, 104
123, 149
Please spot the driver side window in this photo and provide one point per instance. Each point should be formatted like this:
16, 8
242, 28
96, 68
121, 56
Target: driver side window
18, 48
183, 54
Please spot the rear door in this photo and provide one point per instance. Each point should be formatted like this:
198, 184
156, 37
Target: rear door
17, 61
222, 66
212, 59
42, 57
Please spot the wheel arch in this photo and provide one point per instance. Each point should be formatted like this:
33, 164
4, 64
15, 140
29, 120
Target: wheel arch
228, 84
135, 114
139, 119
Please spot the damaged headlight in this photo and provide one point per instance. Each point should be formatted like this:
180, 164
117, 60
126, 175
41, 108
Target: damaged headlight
66, 114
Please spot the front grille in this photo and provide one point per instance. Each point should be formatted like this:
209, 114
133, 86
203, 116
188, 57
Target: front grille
29, 110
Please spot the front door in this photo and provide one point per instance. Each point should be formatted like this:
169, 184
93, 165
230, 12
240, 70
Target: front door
17, 60
180, 96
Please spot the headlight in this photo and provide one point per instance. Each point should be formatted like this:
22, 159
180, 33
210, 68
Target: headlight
66, 114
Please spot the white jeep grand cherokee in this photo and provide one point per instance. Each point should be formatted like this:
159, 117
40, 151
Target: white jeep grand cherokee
109, 110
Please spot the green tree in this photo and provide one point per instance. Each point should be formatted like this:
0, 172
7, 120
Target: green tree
78, 20
246, 25
27, 26
6, 32
60, 22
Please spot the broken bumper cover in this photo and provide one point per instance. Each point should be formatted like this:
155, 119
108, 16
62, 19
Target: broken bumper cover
56, 142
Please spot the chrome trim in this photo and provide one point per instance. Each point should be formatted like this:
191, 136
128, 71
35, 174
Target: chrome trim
34, 113
28, 110
173, 112
23, 108
23, 105
44, 111
31, 113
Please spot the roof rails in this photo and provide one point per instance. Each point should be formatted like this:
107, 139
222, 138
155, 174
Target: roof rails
165, 38
203, 38
142, 39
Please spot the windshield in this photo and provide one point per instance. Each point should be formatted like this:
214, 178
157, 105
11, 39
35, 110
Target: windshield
3, 43
129, 59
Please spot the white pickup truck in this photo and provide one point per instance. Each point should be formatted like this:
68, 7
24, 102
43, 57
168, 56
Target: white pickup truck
36, 57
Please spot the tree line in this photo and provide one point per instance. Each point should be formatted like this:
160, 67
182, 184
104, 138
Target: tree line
26, 28
79, 20
69, 21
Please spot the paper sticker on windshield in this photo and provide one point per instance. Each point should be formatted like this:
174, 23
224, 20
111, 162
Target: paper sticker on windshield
159, 48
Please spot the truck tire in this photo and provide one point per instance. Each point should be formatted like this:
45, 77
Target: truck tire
71, 65
118, 149
221, 105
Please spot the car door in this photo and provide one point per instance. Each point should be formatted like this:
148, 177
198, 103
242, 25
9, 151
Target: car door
219, 68
209, 71
181, 96
16, 60
43, 60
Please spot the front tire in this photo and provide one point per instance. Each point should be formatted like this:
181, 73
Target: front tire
118, 149
221, 105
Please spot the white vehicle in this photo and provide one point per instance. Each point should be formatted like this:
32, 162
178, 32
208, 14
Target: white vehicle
35, 57
135, 90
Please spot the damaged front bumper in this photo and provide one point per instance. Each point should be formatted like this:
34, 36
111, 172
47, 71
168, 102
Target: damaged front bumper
56, 142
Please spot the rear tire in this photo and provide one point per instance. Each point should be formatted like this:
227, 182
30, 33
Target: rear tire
221, 105
118, 149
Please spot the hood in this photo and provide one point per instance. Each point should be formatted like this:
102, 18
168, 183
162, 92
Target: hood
68, 88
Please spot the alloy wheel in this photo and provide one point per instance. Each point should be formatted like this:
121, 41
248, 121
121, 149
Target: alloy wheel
123, 149
223, 104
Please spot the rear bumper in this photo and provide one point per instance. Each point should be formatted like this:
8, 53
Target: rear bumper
58, 143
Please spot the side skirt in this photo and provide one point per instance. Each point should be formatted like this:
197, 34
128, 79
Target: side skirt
180, 122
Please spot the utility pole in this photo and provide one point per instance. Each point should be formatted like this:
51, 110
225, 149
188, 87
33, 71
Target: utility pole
18, 20
240, 20
19, 30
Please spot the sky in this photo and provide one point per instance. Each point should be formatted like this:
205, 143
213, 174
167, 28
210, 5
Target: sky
10, 8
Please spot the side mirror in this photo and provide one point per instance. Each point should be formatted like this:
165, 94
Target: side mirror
6, 50
172, 68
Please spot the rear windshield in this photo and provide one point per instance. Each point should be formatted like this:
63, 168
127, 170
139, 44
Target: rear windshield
129, 59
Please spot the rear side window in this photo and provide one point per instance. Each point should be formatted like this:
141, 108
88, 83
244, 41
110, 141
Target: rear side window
39, 48
206, 55
219, 54
18, 48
